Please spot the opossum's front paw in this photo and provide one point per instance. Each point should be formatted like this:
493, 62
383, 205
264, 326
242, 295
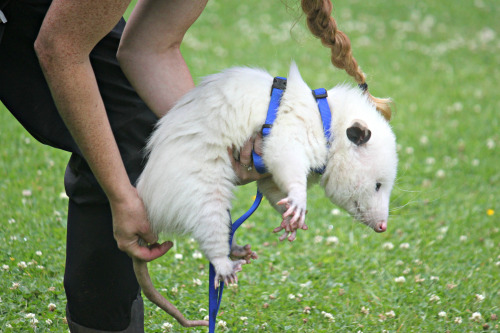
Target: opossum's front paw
293, 218
225, 270
243, 252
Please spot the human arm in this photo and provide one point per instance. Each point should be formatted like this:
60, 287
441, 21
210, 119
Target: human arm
149, 52
69, 32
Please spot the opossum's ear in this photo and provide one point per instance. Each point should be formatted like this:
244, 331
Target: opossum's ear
358, 133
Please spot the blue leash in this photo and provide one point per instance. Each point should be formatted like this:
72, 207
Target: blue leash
277, 90
215, 295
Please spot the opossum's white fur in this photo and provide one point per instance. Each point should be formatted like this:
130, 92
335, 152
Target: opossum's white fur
188, 181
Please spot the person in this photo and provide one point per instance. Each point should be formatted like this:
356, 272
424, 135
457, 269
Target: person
61, 79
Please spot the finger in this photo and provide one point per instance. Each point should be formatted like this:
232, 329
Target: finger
151, 252
246, 152
292, 237
234, 163
283, 236
282, 202
257, 144
278, 229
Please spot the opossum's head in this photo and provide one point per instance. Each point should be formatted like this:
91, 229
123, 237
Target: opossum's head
362, 160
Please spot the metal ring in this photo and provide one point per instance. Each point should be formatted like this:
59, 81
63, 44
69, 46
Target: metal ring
249, 167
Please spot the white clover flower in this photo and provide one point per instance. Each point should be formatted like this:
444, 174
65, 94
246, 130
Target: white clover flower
365, 310
328, 316
197, 282
178, 256
404, 246
443, 230
5, 267
388, 246
307, 310
22, 264
318, 239
434, 298
38, 253
430, 160
332, 240
48, 322
174, 290
409, 150
197, 255
222, 324
335, 212
390, 314
476, 316
424, 140
52, 306
400, 263
442, 314
29, 315
475, 162
307, 284
11, 221
291, 296
400, 279
419, 279
463, 238
480, 297
440, 173
457, 320
26, 193
490, 144
40, 267
8, 325
434, 278
407, 271
202, 310
166, 327
243, 318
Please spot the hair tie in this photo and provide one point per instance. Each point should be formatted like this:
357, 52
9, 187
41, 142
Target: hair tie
363, 86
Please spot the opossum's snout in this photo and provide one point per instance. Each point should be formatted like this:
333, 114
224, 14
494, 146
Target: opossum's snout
380, 226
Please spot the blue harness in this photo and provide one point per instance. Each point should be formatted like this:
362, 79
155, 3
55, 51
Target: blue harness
277, 90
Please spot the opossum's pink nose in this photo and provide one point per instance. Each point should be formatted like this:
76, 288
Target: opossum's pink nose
381, 227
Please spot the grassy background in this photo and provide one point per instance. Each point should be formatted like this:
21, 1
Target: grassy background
438, 60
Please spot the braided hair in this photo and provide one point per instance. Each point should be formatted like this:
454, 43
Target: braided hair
322, 25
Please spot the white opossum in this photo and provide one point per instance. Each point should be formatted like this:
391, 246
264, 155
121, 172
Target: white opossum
188, 180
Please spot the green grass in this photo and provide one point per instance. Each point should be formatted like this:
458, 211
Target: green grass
439, 61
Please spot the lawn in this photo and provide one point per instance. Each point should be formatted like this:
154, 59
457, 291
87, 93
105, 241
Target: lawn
436, 269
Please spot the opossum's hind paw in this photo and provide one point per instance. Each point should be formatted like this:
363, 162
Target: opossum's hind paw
243, 252
225, 275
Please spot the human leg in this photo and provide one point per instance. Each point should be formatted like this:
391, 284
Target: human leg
25, 93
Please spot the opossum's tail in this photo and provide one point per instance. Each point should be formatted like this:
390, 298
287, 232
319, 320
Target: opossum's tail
142, 275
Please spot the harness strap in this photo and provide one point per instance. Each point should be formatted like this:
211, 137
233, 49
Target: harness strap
277, 89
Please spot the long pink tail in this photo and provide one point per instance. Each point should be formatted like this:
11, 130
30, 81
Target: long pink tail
142, 275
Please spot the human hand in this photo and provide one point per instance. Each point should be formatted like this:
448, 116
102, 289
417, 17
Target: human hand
243, 165
131, 226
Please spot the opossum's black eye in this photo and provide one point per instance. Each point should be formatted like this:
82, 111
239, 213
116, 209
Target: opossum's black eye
378, 186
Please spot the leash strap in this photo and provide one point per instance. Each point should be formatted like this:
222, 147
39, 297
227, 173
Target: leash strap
215, 295
279, 86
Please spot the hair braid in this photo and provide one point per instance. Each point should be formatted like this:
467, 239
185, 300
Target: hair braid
322, 25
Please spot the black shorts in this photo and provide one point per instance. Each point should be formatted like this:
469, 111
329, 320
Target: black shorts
99, 280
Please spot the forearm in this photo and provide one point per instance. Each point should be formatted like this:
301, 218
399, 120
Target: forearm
78, 100
66, 38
